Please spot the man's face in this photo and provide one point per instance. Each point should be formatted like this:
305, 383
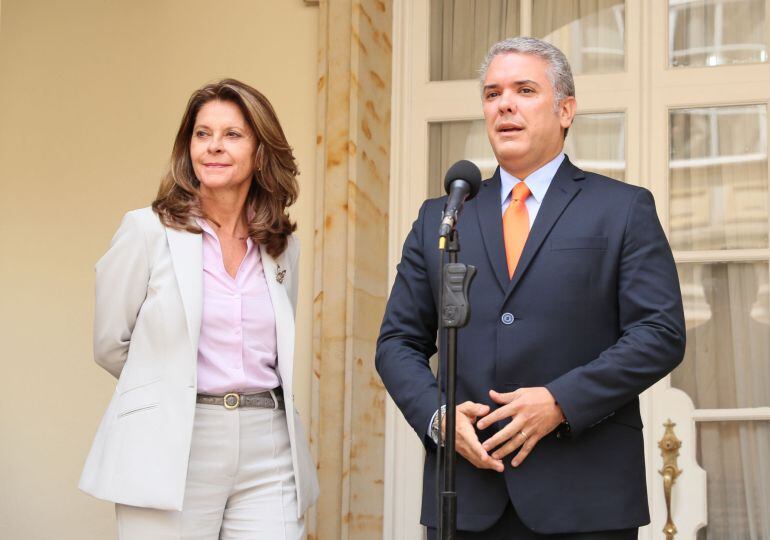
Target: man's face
524, 126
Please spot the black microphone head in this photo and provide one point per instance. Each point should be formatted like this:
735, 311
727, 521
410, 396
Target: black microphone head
464, 170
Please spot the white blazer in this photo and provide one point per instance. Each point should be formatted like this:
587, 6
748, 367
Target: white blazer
149, 289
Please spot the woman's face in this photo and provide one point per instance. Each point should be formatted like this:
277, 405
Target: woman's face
222, 147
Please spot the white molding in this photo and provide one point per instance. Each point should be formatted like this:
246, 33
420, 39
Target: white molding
525, 17
403, 473
403, 452
722, 255
642, 174
725, 415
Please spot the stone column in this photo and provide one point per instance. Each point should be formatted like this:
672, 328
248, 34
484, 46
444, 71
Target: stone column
353, 138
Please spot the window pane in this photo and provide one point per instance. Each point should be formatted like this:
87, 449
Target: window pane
736, 457
451, 141
716, 32
727, 311
718, 178
591, 33
462, 31
595, 142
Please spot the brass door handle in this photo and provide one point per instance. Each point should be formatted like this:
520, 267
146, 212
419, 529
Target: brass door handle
669, 448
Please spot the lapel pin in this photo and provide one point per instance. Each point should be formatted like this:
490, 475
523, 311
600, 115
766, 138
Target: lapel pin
280, 274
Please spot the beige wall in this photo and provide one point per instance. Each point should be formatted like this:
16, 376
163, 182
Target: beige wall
90, 96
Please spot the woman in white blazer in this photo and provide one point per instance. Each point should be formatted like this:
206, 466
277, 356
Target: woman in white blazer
195, 302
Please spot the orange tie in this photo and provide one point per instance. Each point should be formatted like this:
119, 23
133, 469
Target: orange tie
516, 225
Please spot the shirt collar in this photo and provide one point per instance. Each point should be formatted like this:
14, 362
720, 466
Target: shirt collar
204, 225
537, 182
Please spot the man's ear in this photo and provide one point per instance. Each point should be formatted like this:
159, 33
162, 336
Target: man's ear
567, 110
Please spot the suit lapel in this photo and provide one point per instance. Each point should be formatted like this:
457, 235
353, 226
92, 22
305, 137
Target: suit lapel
187, 258
489, 213
560, 193
276, 270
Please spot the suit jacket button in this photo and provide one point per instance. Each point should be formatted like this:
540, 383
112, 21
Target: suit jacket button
507, 318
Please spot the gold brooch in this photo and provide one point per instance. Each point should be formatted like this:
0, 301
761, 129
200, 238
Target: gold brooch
280, 274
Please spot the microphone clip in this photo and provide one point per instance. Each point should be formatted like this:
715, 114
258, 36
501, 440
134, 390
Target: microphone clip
447, 227
455, 307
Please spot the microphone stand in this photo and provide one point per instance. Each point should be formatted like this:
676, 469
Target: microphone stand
455, 312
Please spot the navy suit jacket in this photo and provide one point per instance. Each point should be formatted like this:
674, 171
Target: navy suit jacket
597, 319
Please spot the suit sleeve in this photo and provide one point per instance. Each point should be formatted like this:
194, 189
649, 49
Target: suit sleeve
408, 337
122, 276
651, 321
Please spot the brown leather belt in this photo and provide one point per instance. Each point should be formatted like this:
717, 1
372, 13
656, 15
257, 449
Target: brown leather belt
233, 400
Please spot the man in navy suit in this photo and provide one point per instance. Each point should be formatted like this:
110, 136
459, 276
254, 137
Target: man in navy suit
575, 310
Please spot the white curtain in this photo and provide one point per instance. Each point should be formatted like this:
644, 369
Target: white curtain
451, 141
717, 32
462, 31
590, 32
726, 366
597, 142
718, 178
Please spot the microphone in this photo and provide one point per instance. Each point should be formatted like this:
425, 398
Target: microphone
462, 183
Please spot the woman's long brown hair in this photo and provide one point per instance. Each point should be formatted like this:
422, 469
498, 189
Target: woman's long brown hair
273, 188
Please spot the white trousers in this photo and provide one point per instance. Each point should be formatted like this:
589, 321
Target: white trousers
240, 483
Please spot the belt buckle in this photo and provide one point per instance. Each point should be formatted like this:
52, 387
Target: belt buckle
231, 401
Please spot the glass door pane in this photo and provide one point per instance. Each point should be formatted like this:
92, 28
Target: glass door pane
735, 456
718, 178
462, 31
727, 361
718, 189
597, 142
449, 142
591, 33
716, 32
727, 366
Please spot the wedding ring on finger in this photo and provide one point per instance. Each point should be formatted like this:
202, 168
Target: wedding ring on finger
523, 435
